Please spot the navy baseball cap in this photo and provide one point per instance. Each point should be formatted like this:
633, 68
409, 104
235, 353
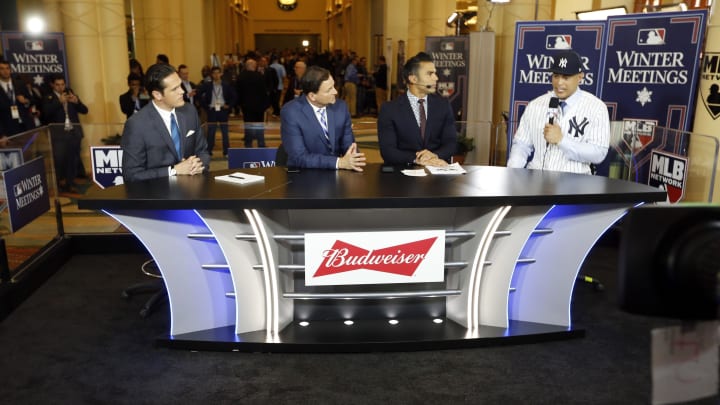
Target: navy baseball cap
567, 63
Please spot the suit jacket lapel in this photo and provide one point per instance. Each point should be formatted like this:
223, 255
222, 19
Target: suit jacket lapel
309, 112
410, 115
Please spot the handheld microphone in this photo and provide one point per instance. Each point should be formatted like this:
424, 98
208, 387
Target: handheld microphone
553, 109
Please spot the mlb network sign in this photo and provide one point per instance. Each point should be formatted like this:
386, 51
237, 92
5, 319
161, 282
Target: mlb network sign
394, 257
106, 165
668, 172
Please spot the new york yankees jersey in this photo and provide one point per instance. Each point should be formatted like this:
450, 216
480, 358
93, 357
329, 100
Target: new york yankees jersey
586, 135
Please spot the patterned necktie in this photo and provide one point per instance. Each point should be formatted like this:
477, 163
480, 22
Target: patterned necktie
10, 93
175, 132
323, 122
423, 117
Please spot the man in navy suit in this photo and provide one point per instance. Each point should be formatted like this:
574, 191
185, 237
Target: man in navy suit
15, 102
217, 98
418, 127
316, 129
151, 139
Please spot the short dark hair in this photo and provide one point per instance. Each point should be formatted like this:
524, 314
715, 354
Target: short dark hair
155, 76
312, 79
55, 78
163, 58
215, 68
4, 62
181, 67
133, 77
412, 66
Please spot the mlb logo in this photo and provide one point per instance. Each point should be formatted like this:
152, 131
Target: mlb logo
447, 46
446, 89
35, 45
17, 190
251, 165
558, 42
651, 36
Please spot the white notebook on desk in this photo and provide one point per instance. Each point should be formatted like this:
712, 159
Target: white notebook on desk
240, 178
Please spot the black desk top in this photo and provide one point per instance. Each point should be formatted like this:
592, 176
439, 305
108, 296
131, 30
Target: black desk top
308, 189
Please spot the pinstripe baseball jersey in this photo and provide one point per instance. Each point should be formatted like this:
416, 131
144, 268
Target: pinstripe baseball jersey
586, 135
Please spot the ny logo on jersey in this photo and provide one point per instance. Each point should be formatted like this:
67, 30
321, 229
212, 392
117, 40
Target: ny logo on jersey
579, 129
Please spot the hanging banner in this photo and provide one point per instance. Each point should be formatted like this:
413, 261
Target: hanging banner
535, 44
450, 56
35, 56
650, 75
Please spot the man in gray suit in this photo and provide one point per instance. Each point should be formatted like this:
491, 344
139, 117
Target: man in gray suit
164, 138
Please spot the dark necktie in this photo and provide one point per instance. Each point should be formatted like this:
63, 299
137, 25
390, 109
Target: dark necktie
175, 132
562, 107
423, 118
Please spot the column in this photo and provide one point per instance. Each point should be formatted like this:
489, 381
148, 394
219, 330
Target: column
96, 46
159, 29
707, 122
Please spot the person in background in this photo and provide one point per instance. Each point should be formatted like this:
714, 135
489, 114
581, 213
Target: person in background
418, 127
135, 98
574, 137
381, 87
253, 101
294, 90
350, 86
61, 108
15, 104
217, 98
316, 129
162, 58
275, 95
164, 138
189, 87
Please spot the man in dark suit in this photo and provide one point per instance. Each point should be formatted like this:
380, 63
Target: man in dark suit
135, 98
151, 139
253, 99
316, 129
418, 127
15, 103
61, 108
217, 98
189, 87
294, 91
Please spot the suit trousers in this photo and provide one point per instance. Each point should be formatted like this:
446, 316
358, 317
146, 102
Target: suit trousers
350, 96
215, 119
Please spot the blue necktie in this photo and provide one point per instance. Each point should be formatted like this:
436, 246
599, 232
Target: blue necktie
175, 132
562, 107
323, 123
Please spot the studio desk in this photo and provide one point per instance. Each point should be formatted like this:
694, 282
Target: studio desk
233, 256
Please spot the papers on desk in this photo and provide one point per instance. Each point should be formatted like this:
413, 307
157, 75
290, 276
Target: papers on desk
414, 172
454, 168
240, 178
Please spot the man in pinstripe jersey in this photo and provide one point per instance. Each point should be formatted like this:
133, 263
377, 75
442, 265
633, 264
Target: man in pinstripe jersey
569, 138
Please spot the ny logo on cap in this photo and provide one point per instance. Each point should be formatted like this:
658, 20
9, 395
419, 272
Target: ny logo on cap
563, 62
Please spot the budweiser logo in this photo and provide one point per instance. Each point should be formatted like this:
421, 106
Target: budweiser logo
400, 259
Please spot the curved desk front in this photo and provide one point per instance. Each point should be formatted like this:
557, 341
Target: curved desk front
232, 256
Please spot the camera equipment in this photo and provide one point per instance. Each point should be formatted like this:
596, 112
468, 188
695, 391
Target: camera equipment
670, 261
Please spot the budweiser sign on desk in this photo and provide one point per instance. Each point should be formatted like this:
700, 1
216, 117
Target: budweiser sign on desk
374, 257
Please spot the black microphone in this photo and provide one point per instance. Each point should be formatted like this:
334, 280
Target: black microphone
553, 109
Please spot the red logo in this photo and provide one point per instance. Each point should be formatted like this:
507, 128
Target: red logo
401, 259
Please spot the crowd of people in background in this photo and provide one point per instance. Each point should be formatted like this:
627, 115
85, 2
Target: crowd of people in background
261, 82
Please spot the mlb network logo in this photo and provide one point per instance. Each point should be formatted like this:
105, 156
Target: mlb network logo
34, 45
558, 42
651, 36
261, 163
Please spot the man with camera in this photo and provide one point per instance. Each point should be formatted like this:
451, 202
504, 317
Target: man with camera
61, 109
